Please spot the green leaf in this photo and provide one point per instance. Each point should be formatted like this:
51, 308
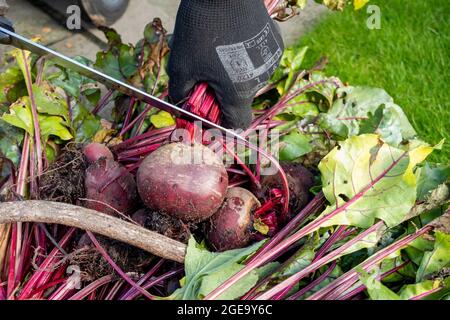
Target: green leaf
127, 61
437, 259
72, 82
414, 290
301, 259
206, 270
294, 145
53, 126
373, 122
369, 241
162, 119
357, 111
11, 139
9, 78
375, 289
321, 93
430, 177
50, 103
371, 179
20, 115
84, 124
51, 153
149, 33
114, 39
23, 59
109, 64
335, 274
295, 65
300, 106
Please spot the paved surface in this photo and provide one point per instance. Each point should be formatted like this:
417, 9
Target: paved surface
31, 21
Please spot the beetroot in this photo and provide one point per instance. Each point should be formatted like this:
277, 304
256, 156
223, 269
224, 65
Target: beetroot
186, 182
231, 227
110, 185
95, 151
300, 181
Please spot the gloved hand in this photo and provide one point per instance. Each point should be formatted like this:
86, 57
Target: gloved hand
233, 45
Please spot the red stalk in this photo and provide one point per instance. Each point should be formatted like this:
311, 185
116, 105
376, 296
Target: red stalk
106, 256
12, 263
80, 295
37, 129
103, 102
426, 294
330, 242
47, 286
361, 288
129, 143
148, 275
114, 290
311, 208
41, 276
314, 283
129, 114
157, 280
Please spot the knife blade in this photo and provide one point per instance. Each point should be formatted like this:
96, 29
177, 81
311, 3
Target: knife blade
21, 42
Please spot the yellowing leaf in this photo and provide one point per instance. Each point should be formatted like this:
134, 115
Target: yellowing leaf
261, 227
23, 59
54, 126
365, 179
162, 119
104, 135
418, 155
20, 115
359, 4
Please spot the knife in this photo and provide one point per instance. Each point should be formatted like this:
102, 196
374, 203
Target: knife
21, 42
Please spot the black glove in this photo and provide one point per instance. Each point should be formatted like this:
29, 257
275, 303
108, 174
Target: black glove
7, 24
233, 45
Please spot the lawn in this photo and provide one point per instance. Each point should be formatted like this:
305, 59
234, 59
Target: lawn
408, 57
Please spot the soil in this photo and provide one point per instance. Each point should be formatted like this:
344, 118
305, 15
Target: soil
64, 179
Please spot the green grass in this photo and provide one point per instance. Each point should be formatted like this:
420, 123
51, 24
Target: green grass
408, 57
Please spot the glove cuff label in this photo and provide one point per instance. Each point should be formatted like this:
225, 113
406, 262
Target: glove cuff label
250, 63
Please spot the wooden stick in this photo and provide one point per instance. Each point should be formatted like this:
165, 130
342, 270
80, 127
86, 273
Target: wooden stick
96, 222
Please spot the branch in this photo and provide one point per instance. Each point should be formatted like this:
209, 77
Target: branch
96, 222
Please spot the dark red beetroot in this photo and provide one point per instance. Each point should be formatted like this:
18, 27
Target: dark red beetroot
300, 181
110, 185
95, 151
186, 182
231, 227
